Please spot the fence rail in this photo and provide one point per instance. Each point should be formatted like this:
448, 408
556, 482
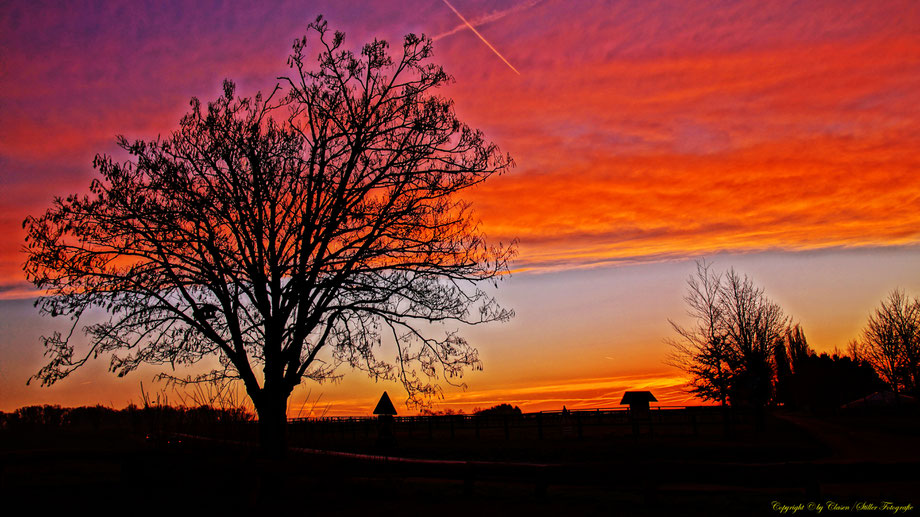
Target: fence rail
546, 425
363, 433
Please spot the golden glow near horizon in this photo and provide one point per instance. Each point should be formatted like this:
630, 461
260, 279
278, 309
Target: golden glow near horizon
645, 134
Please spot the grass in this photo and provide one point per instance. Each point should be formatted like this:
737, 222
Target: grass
123, 471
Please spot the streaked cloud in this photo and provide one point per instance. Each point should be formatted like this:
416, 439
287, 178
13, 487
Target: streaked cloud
643, 131
487, 18
655, 130
480, 36
794, 134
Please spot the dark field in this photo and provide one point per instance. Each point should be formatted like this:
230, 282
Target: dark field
673, 463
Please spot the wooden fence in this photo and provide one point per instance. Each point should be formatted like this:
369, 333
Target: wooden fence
661, 420
344, 433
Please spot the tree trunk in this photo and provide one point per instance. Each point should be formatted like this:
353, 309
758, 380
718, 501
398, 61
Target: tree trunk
272, 411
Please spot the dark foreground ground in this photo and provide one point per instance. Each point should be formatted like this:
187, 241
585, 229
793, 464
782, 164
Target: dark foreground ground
840, 465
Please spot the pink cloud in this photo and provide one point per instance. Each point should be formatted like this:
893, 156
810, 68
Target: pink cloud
646, 130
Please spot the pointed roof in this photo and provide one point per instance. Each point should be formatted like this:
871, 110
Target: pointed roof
632, 397
385, 406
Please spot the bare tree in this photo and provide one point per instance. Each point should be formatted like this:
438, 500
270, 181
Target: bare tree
729, 351
891, 341
755, 325
782, 362
797, 346
703, 350
286, 234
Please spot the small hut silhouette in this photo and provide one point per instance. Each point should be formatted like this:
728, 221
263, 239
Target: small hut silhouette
638, 402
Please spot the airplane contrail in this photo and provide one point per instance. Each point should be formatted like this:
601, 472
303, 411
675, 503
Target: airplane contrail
476, 32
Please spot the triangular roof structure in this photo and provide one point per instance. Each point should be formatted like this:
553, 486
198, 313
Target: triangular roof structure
385, 406
632, 397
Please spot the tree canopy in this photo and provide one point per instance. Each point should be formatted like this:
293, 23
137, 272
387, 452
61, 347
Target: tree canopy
729, 350
891, 341
287, 234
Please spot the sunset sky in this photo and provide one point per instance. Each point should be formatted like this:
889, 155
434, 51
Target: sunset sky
779, 138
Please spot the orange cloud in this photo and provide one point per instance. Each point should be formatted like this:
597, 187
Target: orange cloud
655, 130
826, 192
803, 146
642, 130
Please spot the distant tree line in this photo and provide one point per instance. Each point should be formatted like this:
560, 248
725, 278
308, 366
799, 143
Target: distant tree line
743, 350
162, 415
132, 417
500, 410
805, 379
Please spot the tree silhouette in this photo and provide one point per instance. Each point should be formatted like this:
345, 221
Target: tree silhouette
825, 382
729, 352
703, 350
807, 380
797, 346
783, 363
287, 234
891, 341
755, 325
